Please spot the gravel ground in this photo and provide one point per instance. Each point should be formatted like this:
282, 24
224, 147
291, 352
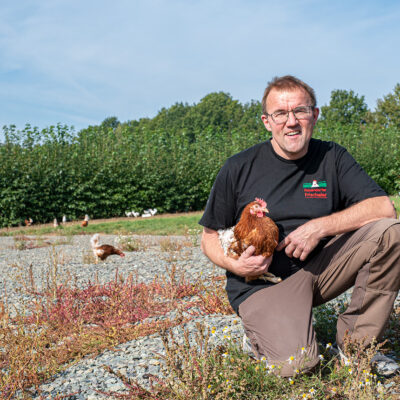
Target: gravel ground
135, 359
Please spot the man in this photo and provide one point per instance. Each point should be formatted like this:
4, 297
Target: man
336, 226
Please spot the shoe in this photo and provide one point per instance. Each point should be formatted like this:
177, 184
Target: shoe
384, 365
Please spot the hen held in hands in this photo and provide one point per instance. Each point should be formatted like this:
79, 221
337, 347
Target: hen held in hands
254, 229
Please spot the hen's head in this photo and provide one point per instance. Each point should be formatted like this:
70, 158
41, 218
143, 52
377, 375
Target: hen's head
258, 208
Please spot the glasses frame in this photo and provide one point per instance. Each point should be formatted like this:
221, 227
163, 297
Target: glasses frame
310, 108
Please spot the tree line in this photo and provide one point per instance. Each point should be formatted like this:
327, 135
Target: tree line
170, 161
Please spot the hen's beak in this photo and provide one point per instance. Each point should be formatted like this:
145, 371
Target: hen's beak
265, 209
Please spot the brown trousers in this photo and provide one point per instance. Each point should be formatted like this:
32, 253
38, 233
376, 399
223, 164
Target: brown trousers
278, 319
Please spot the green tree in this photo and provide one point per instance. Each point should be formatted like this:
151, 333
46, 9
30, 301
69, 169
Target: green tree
345, 107
218, 110
110, 122
387, 111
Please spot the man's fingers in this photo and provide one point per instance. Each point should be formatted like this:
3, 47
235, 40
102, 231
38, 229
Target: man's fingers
297, 253
283, 243
249, 251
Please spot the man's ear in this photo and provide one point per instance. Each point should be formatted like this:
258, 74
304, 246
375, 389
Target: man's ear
315, 114
265, 120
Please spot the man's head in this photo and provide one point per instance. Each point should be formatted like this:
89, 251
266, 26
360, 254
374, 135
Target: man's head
289, 113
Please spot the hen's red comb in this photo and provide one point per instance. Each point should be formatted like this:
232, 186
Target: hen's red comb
261, 202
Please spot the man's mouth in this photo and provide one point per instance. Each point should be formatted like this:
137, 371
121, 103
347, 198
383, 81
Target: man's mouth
293, 133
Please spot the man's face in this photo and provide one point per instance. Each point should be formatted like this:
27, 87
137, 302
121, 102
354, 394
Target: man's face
290, 139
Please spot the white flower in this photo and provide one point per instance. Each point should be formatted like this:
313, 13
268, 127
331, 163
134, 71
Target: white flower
291, 359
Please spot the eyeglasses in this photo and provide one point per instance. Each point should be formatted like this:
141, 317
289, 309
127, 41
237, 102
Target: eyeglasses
281, 117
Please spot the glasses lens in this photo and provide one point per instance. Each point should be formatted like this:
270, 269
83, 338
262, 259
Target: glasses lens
302, 112
280, 117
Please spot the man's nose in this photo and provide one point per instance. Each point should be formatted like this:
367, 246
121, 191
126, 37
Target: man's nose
291, 119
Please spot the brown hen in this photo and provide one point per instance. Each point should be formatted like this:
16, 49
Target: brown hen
258, 230
103, 251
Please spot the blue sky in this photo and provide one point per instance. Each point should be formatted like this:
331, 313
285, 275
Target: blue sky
78, 62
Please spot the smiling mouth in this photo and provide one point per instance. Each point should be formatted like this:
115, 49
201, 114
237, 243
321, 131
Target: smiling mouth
294, 133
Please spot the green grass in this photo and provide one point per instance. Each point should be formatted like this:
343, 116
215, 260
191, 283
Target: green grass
396, 200
158, 225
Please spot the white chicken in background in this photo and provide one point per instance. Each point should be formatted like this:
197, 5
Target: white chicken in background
149, 212
64, 219
133, 214
55, 223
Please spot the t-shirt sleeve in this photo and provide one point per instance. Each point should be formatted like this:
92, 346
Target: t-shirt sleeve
354, 183
220, 208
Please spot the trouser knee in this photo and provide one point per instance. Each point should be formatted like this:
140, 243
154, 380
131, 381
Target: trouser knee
385, 262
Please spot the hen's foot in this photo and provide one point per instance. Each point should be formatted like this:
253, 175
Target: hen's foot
268, 276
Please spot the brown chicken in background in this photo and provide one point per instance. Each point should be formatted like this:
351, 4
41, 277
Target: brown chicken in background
28, 222
85, 222
104, 250
258, 230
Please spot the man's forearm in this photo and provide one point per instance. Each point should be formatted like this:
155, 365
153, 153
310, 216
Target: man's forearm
355, 216
212, 248
303, 240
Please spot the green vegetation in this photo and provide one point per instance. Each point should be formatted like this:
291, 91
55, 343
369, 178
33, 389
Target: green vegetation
170, 162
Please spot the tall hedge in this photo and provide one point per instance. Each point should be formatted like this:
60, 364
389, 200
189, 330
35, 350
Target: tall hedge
106, 170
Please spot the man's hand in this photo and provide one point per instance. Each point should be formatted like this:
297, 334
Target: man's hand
302, 241
249, 265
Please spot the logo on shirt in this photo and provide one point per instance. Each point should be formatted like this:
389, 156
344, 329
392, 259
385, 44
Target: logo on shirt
315, 189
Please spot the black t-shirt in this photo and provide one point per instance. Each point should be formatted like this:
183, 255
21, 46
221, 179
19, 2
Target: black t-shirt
325, 180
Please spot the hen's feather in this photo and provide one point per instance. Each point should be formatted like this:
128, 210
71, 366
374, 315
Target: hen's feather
255, 230
105, 250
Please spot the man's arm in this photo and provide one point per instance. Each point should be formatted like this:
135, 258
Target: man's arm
245, 265
306, 237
